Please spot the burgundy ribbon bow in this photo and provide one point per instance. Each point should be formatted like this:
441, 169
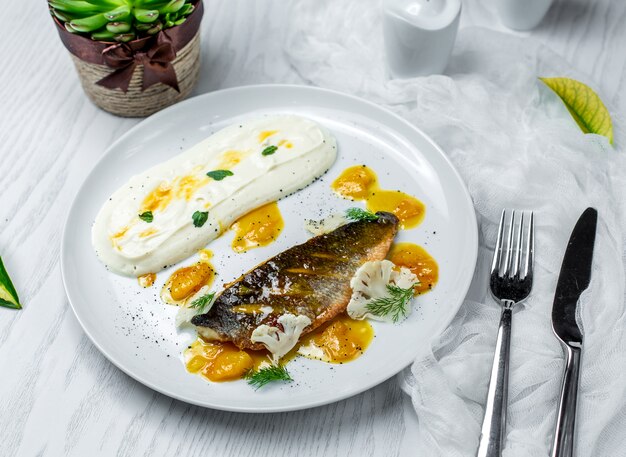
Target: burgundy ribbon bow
156, 56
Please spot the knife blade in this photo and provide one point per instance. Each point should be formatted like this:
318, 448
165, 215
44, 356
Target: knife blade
574, 278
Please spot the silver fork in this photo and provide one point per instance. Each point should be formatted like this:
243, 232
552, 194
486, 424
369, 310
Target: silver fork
510, 282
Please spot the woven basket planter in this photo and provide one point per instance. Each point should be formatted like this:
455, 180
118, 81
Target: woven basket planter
132, 99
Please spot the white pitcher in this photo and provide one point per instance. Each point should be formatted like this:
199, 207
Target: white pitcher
522, 14
419, 35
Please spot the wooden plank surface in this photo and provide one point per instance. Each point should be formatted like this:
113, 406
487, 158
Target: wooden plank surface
59, 395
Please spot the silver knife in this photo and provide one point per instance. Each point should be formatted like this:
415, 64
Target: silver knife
573, 280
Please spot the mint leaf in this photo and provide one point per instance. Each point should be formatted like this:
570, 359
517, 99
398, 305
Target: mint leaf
218, 175
146, 217
268, 151
199, 218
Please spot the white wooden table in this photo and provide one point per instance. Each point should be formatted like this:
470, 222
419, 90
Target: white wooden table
58, 394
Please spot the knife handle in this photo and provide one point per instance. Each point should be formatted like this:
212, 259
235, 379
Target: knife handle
566, 416
494, 422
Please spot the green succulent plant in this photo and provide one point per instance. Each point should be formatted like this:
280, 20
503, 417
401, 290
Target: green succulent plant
120, 20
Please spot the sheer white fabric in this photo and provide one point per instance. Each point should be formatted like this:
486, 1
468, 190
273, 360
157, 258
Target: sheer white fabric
516, 146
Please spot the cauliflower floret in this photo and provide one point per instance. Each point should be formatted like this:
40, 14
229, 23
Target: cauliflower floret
280, 342
370, 283
328, 224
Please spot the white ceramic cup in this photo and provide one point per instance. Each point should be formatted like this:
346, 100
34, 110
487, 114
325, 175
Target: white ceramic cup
522, 14
419, 35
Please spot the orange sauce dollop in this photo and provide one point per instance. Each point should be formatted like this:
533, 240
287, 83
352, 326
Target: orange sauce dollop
338, 341
220, 362
341, 340
419, 261
259, 227
361, 183
186, 281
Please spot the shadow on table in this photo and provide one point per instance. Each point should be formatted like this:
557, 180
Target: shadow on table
360, 424
572, 14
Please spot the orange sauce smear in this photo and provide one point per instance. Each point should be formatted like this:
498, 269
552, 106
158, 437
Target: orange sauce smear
419, 261
205, 255
231, 158
264, 135
285, 143
146, 280
259, 227
361, 183
147, 233
183, 187
338, 341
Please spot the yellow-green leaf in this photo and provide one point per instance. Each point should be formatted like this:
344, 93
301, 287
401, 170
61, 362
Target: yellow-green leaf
8, 295
584, 105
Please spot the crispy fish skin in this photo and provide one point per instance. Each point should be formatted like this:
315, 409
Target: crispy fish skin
311, 279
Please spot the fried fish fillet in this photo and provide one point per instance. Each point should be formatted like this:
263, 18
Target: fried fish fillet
311, 279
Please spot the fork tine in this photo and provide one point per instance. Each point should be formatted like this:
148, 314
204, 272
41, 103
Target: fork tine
497, 253
530, 246
518, 249
506, 266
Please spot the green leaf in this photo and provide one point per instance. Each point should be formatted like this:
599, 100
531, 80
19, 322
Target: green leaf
105, 35
61, 16
268, 151
218, 175
155, 29
584, 105
124, 37
69, 28
258, 379
143, 27
199, 218
146, 15
106, 3
8, 294
201, 303
150, 4
358, 214
74, 7
186, 10
118, 27
172, 6
89, 24
147, 217
118, 14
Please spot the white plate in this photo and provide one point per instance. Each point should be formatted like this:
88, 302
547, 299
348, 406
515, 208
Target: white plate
136, 332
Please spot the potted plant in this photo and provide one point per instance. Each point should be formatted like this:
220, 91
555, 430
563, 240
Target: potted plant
133, 57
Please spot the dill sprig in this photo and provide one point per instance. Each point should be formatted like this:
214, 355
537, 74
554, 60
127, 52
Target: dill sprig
395, 304
358, 214
258, 379
201, 303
